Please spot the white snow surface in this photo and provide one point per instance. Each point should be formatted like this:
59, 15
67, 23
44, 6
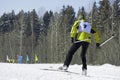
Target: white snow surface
9, 71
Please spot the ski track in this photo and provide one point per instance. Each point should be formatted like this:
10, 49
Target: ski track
34, 72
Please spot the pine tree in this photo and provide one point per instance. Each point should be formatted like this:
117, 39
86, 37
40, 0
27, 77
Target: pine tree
67, 20
46, 20
5, 27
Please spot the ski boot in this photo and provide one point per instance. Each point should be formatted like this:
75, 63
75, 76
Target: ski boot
64, 68
84, 72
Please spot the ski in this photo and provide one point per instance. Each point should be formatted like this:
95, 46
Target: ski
60, 71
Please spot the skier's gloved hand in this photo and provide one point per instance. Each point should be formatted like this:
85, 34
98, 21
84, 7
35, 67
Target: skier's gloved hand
72, 40
113, 34
97, 45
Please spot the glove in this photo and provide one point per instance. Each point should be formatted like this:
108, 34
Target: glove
97, 45
72, 40
92, 31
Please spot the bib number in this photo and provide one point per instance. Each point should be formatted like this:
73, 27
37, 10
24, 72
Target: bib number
84, 27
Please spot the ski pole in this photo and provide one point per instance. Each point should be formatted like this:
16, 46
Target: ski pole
107, 40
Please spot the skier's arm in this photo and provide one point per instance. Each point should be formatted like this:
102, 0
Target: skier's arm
96, 36
74, 29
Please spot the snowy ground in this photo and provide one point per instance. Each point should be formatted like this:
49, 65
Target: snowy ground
35, 72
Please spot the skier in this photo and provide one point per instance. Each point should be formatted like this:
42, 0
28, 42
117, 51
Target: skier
80, 36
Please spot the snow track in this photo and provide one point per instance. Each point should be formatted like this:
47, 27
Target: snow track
34, 72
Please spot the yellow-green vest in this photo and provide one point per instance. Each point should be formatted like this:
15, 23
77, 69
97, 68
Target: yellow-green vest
83, 36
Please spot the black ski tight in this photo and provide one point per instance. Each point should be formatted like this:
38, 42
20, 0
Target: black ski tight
73, 49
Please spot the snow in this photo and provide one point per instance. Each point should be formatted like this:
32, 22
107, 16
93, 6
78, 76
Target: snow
9, 71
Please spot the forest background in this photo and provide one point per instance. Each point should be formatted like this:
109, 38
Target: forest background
47, 37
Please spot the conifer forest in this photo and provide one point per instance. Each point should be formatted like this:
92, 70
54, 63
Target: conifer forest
46, 39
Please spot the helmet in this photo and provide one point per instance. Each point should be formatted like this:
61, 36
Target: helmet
80, 17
